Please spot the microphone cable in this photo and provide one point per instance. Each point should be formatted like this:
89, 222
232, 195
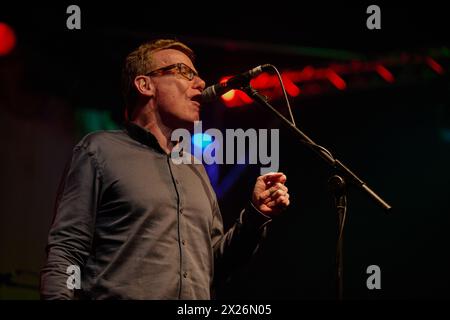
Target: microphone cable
280, 79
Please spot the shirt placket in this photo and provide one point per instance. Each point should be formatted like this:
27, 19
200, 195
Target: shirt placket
184, 272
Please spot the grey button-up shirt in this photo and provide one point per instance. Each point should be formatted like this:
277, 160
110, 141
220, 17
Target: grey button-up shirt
139, 226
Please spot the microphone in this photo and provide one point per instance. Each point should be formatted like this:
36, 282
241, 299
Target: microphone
213, 92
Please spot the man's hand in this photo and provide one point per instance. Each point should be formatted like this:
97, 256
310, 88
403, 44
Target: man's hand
270, 195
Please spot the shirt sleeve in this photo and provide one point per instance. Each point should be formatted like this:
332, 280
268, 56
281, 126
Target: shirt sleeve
234, 248
71, 233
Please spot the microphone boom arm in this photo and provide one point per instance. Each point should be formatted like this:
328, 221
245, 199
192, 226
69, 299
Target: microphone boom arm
325, 155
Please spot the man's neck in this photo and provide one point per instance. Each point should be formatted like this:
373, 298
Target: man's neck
159, 130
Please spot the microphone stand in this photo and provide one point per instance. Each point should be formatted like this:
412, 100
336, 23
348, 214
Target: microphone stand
337, 183
338, 187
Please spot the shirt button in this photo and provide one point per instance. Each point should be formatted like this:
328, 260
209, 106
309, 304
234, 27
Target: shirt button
181, 211
185, 274
183, 242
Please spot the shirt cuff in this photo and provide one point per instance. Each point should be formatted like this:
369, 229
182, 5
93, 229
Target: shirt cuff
252, 218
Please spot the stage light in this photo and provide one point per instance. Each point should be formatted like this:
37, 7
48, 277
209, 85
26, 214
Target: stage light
229, 95
290, 87
433, 64
336, 80
229, 98
201, 140
7, 39
385, 73
234, 98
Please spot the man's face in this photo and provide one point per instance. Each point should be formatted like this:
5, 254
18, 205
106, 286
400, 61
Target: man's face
177, 98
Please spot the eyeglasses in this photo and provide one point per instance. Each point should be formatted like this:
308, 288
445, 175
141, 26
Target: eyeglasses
181, 68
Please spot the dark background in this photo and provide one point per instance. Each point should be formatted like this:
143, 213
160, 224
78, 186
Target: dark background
59, 84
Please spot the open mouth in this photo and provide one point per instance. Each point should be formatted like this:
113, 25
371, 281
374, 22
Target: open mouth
197, 98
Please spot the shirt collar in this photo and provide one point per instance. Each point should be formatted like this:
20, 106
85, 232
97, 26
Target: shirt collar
143, 136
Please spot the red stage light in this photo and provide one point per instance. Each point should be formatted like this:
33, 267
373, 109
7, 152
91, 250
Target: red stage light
385, 73
7, 39
336, 80
290, 87
435, 65
229, 95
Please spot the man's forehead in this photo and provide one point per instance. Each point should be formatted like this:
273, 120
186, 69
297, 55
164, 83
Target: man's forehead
167, 57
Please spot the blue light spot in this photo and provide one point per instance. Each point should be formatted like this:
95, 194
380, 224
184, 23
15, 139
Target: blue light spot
201, 140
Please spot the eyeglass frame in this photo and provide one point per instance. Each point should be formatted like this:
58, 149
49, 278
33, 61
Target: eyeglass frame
179, 67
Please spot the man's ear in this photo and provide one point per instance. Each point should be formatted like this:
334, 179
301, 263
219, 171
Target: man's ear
144, 85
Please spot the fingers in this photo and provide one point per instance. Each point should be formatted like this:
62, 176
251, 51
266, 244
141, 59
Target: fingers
282, 201
275, 191
281, 186
276, 196
283, 179
274, 177
272, 196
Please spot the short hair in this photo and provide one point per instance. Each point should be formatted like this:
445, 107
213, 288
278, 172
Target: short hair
140, 62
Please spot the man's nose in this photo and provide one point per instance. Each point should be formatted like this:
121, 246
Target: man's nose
199, 83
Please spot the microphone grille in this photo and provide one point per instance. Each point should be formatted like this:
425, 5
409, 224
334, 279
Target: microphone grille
209, 94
